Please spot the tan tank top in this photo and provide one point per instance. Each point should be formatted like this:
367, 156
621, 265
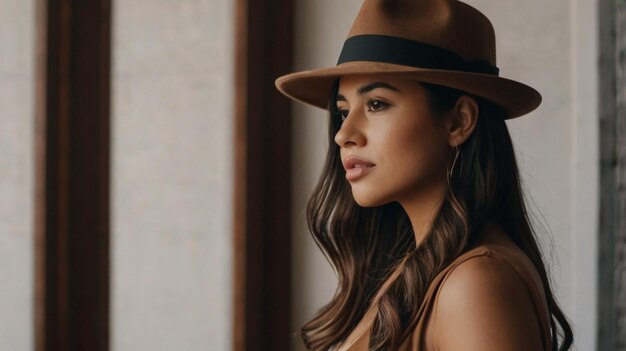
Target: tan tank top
493, 245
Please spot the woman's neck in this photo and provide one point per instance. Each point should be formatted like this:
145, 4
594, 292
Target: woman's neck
423, 207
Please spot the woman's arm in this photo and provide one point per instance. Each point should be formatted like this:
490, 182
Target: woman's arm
484, 304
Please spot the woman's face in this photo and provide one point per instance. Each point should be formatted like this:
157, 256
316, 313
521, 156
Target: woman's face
393, 147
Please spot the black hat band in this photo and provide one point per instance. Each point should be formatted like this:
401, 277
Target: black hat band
402, 51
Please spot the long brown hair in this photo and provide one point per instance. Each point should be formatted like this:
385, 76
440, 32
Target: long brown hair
364, 245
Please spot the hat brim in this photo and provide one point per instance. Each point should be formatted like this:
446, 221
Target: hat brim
313, 87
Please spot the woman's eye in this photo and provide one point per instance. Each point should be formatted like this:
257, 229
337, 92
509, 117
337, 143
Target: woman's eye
376, 105
343, 114
372, 104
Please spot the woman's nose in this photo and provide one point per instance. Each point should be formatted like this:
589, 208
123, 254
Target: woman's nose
350, 132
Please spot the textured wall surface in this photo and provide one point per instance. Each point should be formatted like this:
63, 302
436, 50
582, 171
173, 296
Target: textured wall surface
17, 21
548, 45
612, 273
619, 295
171, 175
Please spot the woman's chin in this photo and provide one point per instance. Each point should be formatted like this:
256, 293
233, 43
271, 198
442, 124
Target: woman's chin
368, 200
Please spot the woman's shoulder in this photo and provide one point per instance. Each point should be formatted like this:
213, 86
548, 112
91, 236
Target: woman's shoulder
484, 304
489, 296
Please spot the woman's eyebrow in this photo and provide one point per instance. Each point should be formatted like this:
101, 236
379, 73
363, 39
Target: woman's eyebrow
369, 87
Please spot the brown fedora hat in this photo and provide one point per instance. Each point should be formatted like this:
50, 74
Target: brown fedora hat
445, 42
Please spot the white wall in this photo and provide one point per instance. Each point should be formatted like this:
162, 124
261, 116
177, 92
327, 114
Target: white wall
17, 23
548, 45
171, 175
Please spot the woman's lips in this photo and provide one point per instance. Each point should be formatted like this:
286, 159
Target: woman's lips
357, 172
356, 167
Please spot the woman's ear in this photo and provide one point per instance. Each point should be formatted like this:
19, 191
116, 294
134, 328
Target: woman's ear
460, 121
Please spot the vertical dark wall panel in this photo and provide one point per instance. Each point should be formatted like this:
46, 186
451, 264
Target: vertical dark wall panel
620, 156
262, 184
612, 275
72, 175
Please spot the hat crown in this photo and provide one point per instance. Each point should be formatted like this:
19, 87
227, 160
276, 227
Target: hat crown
449, 24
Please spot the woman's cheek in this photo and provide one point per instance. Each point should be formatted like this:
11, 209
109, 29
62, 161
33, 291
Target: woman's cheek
419, 159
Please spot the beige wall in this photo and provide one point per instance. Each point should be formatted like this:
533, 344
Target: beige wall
171, 175
17, 23
549, 45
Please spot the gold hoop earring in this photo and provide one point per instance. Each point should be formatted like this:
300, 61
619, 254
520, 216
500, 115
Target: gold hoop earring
456, 156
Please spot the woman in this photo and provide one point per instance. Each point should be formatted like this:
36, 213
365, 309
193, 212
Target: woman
419, 207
